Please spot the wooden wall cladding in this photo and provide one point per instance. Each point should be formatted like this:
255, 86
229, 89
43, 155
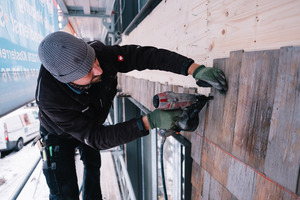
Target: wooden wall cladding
247, 144
258, 121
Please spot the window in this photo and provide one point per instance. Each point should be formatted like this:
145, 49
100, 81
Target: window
143, 160
177, 168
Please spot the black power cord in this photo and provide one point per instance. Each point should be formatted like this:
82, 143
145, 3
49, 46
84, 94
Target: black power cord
163, 139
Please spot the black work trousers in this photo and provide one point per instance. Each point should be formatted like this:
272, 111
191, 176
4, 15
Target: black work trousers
59, 169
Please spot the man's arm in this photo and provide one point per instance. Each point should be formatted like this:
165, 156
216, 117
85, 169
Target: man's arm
133, 57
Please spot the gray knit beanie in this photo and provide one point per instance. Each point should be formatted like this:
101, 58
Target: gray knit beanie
66, 57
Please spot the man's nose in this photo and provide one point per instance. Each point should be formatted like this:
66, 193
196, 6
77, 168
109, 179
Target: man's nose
97, 71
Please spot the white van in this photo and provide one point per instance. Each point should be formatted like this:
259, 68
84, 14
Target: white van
17, 128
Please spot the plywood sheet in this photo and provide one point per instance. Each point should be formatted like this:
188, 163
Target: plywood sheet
277, 23
207, 30
231, 26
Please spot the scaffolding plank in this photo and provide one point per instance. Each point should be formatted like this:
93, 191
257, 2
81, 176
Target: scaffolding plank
283, 153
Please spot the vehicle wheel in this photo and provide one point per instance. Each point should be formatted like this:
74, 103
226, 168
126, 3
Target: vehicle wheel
0, 154
19, 144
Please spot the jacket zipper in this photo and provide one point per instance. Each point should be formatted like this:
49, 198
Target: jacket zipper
101, 103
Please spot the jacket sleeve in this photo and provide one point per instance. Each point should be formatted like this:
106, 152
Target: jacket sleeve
92, 133
132, 57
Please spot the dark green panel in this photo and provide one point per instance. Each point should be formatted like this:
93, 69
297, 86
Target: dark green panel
130, 11
133, 152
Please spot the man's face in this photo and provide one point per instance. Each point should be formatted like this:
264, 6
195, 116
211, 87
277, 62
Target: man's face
94, 76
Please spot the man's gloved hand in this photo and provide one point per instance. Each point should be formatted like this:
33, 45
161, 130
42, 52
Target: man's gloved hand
164, 119
208, 76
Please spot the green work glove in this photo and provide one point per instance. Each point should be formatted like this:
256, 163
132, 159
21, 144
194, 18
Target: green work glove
164, 119
208, 76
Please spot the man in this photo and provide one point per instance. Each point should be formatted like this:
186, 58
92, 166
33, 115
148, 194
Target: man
76, 86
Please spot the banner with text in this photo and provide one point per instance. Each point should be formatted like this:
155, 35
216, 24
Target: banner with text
23, 24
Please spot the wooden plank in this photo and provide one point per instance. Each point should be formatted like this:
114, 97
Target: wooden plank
222, 110
298, 188
157, 88
213, 130
151, 92
193, 90
216, 162
195, 194
222, 163
210, 188
241, 180
255, 104
138, 89
205, 190
265, 189
166, 87
287, 195
208, 157
232, 71
196, 176
218, 191
196, 140
175, 88
196, 151
128, 83
122, 83
143, 94
283, 153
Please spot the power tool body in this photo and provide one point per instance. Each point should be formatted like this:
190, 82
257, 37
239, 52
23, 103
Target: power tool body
191, 105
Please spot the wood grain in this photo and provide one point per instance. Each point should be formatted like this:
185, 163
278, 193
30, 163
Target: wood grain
283, 153
254, 108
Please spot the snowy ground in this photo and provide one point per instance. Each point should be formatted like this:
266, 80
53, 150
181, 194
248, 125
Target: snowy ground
15, 166
13, 169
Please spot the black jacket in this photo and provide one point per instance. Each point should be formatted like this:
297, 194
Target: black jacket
68, 114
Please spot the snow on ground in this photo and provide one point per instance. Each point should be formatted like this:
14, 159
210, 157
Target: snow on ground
14, 167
